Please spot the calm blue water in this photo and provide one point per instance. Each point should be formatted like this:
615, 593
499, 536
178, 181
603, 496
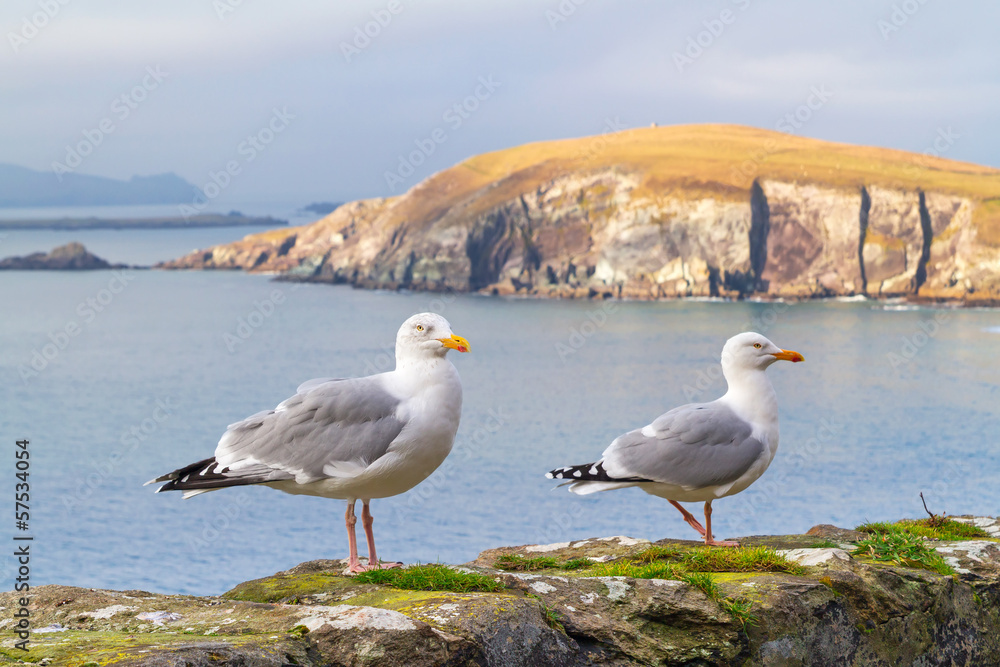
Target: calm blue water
148, 384
132, 246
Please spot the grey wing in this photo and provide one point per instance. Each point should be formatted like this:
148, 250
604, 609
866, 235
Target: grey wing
693, 446
335, 428
312, 384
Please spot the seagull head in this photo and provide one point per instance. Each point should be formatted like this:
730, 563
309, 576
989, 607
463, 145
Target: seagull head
751, 351
427, 335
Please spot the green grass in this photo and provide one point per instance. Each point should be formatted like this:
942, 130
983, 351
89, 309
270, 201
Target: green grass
518, 563
431, 578
552, 617
739, 609
704, 582
694, 567
636, 570
938, 528
740, 559
890, 543
824, 544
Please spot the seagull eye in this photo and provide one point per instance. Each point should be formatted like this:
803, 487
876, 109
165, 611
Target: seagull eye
757, 345
420, 327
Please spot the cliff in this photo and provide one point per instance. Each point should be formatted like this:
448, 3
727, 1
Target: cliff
704, 210
830, 597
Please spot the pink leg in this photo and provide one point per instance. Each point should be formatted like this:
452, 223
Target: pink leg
693, 522
708, 530
367, 520
353, 564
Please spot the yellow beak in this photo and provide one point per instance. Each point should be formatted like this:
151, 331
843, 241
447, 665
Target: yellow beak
456, 343
789, 355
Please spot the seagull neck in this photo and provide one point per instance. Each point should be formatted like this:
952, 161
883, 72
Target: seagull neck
750, 394
422, 366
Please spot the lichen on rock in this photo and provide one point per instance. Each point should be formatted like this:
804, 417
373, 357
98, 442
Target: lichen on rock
832, 608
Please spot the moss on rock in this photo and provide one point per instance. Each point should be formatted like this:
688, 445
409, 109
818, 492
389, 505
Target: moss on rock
822, 606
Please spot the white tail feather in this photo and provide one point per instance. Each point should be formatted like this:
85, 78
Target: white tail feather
586, 488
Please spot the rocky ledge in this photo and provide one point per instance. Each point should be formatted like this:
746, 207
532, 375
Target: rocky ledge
813, 599
70, 257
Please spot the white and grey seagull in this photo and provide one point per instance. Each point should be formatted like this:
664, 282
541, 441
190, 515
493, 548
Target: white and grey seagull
700, 451
352, 439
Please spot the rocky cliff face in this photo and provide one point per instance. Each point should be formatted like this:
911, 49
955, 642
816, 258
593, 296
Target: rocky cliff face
833, 609
614, 230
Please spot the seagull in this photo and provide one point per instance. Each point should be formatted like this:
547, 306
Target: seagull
350, 439
700, 451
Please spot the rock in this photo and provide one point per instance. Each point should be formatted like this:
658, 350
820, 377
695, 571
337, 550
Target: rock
835, 534
559, 220
817, 557
990, 524
70, 257
599, 550
839, 610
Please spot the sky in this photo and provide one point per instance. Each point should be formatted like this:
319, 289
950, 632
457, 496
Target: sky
305, 101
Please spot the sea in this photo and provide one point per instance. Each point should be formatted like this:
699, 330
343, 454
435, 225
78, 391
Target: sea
115, 377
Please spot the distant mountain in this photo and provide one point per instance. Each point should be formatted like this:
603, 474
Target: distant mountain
21, 187
322, 207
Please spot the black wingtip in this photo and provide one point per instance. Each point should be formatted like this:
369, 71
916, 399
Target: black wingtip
584, 472
588, 472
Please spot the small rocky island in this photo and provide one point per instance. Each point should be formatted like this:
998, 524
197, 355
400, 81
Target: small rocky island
921, 592
70, 257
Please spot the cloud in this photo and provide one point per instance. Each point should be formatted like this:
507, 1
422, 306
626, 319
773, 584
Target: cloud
560, 79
